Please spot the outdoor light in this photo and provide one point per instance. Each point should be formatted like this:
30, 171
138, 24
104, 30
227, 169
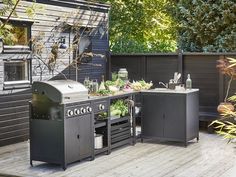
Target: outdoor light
1, 45
62, 42
101, 30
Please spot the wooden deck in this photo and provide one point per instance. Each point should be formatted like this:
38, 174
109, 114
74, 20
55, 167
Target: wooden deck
210, 157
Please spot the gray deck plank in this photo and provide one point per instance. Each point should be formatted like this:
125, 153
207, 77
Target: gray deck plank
210, 157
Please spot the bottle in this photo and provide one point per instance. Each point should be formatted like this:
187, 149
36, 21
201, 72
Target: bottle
95, 86
86, 82
102, 85
188, 82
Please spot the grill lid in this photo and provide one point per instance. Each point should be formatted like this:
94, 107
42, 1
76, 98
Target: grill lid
61, 91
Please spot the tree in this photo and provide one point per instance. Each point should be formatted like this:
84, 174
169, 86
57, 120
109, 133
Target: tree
207, 26
141, 26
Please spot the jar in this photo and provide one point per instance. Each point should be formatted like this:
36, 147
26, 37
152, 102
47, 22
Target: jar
123, 74
94, 86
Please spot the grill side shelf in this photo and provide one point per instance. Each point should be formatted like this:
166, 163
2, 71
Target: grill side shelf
117, 120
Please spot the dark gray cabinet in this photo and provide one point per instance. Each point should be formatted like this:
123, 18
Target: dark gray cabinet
64, 140
78, 139
170, 116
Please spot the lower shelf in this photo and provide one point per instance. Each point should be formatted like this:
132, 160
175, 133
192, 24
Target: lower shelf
121, 143
102, 150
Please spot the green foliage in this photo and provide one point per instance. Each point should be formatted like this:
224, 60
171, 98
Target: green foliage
8, 5
8, 37
207, 26
7, 31
119, 108
31, 10
141, 26
226, 126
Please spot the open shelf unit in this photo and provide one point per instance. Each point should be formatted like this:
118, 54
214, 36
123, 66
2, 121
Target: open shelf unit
116, 132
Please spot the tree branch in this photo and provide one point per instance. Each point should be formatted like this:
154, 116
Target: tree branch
9, 16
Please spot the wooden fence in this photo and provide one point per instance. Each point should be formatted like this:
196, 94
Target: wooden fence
161, 67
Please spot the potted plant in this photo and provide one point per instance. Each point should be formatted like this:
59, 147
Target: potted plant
225, 126
227, 66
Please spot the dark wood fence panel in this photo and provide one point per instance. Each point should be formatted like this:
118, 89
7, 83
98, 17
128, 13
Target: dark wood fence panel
135, 65
204, 76
161, 67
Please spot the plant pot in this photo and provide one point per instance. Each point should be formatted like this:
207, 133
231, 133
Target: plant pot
98, 141
225, 107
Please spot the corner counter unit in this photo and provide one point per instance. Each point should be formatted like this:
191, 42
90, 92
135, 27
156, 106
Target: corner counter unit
170, 115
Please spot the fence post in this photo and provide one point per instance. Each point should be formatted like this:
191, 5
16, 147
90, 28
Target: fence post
180, 64
144, 67
108, 66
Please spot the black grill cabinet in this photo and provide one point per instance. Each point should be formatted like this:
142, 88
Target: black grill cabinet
61, 123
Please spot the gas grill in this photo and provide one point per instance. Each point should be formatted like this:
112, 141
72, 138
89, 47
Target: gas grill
61, 122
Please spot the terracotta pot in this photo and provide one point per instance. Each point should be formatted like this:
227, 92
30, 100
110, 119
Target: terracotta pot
224, 107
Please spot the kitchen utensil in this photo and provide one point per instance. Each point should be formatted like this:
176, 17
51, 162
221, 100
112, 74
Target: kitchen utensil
175, 77
178, 77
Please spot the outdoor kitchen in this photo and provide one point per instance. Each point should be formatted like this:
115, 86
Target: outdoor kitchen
70, 122
107, 89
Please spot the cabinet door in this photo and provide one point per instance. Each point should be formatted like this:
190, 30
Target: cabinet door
85, 135
152, 115
72, 143
175, 116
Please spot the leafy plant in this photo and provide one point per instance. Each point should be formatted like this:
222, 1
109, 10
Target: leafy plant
227, 66
119, 108
226, 125
104, 92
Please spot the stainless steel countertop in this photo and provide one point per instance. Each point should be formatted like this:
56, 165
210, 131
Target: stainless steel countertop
156, 90
164, 90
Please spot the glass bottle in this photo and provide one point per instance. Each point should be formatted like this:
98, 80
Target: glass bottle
95, 86
102, 85
86, 82
188, 82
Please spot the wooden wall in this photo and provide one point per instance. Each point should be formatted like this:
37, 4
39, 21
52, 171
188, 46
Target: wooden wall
14, 112
161, 68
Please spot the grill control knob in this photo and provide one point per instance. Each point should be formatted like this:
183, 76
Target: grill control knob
89, 109
76, 111
70, 113
101, 107
83, 110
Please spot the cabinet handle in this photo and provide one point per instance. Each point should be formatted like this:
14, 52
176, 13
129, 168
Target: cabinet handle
78, 136
164, 116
